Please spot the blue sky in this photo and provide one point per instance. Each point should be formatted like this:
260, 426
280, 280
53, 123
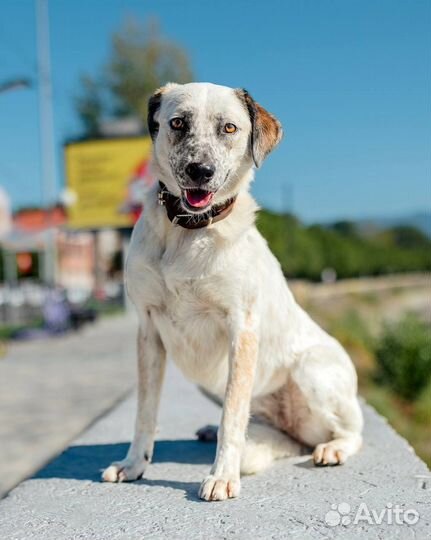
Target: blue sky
349, 80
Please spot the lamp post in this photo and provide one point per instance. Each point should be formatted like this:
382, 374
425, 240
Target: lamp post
46, 133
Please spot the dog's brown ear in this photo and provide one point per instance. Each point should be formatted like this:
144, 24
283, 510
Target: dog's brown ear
266, 130
153, 106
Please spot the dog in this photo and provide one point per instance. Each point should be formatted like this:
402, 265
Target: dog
211, 296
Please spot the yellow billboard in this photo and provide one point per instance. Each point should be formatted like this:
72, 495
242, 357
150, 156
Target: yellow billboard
105, 179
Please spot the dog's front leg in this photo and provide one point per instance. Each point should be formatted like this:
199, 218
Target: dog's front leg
224, 479
151, 367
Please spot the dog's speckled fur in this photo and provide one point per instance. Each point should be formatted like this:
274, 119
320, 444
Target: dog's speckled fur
216, 302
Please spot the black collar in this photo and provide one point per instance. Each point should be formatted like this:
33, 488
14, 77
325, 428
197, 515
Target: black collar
179, 216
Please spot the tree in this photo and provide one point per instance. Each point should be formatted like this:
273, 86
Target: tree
304, 251
141, 61
409, 237
346, 228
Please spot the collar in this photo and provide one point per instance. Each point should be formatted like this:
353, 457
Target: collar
179, 216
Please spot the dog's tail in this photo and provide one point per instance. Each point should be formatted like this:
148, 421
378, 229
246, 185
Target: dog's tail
264, 445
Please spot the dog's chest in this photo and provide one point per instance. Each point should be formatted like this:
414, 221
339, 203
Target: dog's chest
185, 291
193, 329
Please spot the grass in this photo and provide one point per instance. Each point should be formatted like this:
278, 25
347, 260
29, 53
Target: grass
105, 308
8, 330
411, 421
409, 412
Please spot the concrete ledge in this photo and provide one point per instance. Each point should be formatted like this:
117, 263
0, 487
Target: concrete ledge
66, 500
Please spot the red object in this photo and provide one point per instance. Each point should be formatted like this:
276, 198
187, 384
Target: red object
39, 219
141, 179
24, 262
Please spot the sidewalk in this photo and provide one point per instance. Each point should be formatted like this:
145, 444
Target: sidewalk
50, 390
66, 500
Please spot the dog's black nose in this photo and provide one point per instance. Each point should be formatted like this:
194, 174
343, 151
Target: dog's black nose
200, 172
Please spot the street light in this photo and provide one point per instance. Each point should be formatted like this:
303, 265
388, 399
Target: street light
14, 84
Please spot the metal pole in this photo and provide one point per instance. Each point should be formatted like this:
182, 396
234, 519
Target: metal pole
10, 278
47, 147
10, 267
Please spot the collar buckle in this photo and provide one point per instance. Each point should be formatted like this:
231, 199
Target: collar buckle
160, 198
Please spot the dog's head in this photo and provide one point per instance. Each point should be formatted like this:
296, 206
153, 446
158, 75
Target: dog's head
206, 139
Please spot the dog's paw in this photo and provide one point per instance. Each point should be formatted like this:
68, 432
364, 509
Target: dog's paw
329, 454
123, 471
207, 433
219, 489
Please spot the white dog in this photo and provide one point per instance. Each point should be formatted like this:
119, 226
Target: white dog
210, 295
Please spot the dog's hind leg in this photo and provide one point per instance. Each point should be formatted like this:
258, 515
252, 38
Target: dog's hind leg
345, 440
332, 421
208, 433
318, 405
265, 444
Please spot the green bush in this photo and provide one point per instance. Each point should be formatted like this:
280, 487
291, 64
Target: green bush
403, 356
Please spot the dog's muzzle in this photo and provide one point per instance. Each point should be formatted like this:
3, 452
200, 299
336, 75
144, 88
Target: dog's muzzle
188, 220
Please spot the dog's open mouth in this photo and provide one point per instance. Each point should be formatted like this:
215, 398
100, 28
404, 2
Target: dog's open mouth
198, 198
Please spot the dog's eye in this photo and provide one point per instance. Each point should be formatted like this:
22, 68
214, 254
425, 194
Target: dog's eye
176, 123
230, 128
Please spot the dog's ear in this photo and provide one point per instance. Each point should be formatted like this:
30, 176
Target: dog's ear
266, 130
153, 106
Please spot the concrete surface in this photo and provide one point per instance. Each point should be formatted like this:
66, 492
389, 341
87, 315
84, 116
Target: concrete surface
66, 500
50, 390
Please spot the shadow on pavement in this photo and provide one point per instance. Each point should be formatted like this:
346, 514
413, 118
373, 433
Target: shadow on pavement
190, 489
86, 462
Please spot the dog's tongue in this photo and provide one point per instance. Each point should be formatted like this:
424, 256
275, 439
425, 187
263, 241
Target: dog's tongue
198, 197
